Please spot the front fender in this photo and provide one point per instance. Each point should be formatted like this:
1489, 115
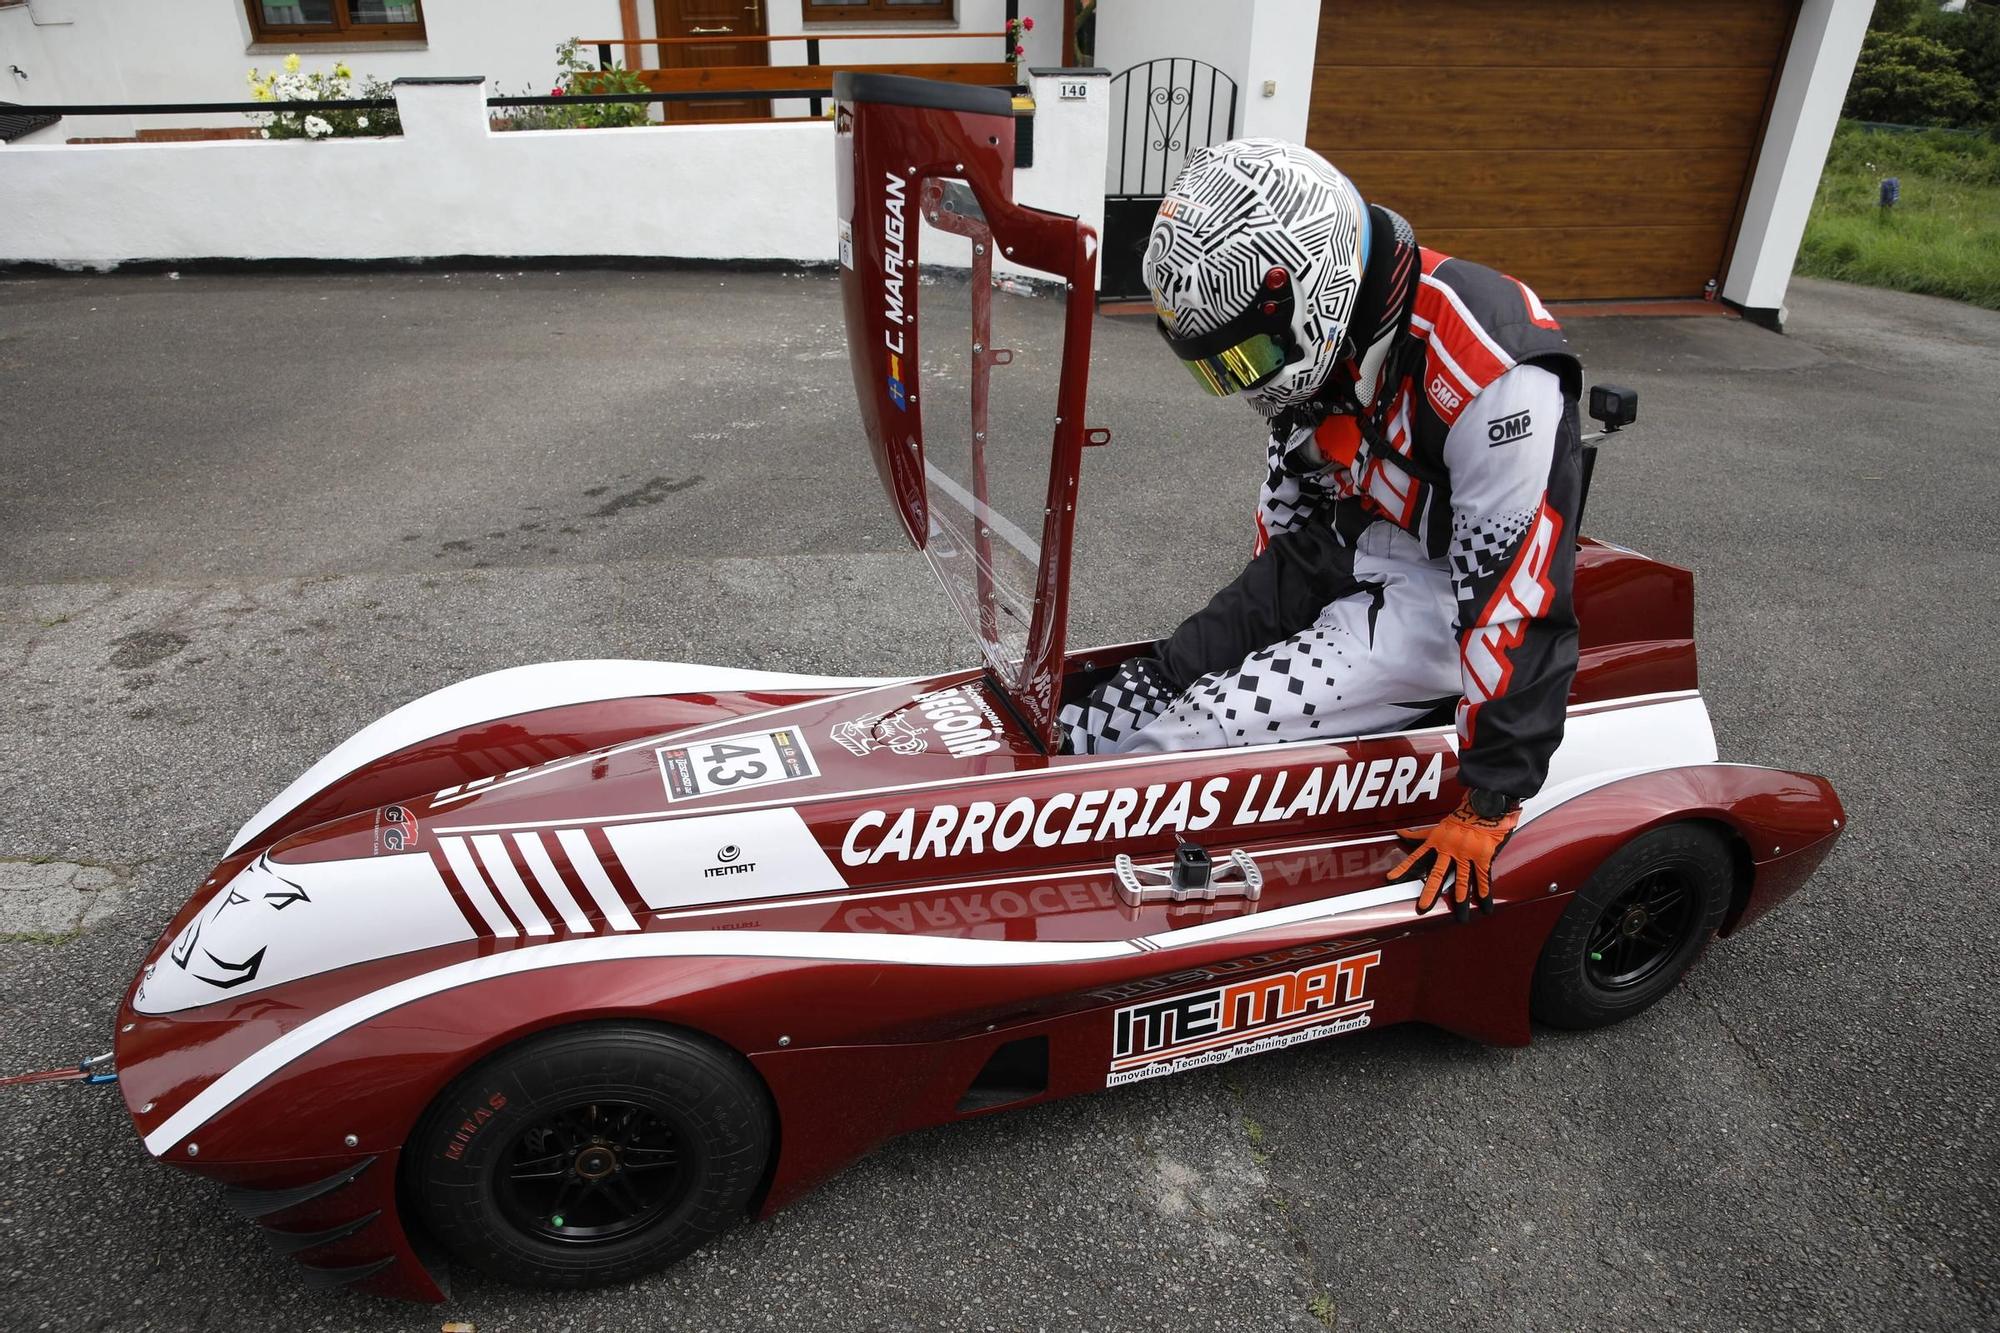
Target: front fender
513, 719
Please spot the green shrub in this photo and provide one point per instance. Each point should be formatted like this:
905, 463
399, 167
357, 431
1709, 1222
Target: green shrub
1974, 39
577, 77
1905, 79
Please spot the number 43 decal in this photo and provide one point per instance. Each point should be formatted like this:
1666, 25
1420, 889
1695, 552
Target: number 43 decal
735, 763
724, 764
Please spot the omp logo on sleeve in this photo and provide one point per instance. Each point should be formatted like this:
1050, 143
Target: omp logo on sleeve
1230, 1020
1500, 430
1446, 397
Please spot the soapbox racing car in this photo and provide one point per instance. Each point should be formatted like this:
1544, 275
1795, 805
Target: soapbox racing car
559, 971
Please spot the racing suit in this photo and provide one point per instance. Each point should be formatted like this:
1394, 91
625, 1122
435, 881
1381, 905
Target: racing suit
1408, 555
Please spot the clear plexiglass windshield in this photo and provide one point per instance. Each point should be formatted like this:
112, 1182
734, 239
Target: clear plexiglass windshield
992, 354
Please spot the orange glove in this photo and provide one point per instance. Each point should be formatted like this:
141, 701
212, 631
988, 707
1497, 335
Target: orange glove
1465, 844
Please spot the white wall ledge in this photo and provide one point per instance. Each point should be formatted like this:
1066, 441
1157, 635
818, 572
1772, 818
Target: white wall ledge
453, 187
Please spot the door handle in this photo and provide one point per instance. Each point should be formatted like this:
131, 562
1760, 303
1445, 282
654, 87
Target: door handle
700, 32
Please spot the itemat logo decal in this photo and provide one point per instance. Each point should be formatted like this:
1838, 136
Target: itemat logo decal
1230, 1020
729, 862
735, 763
1502, 429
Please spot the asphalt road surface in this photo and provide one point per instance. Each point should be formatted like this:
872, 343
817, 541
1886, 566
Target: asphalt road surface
242, 516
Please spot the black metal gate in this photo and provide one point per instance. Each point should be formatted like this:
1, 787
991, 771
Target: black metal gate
1161, 111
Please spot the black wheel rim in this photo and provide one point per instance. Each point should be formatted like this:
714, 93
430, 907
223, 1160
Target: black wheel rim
593, 1172
1642, 931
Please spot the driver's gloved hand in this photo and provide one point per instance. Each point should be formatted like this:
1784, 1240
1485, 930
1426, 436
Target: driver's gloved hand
1463, 845
1106, 719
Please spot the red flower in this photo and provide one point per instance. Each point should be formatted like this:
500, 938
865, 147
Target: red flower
555, 92
1020, 50
1027, 25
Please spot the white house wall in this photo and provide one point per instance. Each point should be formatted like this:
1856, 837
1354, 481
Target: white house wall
1251, 41
85, 52
450, 186
103, 51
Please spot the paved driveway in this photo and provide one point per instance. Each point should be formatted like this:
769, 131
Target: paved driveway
240, 517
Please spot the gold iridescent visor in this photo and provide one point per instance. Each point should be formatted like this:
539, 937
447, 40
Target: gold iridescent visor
1244, 366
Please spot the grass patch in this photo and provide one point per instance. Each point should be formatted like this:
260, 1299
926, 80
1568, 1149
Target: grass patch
1942, 239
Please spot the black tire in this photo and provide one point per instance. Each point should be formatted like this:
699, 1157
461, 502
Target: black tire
1634, 928
590, 1155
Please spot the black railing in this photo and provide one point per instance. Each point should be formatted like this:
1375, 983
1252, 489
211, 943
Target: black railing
389, 103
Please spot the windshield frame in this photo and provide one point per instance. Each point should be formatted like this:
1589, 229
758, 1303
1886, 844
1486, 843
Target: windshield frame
899, 142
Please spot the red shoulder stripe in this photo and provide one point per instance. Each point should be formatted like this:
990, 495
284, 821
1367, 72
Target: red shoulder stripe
1466, 349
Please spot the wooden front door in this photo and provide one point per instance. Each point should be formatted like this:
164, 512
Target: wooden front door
713, 18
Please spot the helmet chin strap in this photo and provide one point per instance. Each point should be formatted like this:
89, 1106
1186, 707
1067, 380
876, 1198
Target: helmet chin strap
1369, 378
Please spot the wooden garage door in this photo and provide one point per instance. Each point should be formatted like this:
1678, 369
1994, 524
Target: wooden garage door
1594, 149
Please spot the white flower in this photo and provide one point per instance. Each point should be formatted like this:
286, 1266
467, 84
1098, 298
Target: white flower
362, 121
263, 134
316, 127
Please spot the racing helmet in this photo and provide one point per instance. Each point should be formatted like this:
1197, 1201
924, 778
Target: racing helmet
1254, 263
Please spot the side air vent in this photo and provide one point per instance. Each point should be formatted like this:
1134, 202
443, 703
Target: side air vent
1017, 1071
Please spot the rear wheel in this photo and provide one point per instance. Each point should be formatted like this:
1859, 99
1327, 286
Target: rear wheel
1634, 928
590, 1155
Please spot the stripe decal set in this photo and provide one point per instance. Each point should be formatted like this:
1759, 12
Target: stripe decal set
498, 900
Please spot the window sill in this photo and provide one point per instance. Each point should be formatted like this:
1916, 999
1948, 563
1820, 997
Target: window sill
809, 27
324, 44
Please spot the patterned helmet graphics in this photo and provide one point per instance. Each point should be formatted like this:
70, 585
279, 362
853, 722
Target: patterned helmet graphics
1235, 211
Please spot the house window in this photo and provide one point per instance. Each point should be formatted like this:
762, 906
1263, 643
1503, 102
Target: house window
875, 11
286, 21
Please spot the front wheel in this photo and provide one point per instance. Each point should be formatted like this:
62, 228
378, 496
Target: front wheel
1634, 928
590, 1155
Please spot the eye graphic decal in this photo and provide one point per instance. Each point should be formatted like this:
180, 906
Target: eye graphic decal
280, 899
184, 946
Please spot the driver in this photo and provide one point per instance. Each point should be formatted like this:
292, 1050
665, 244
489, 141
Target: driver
1416, 531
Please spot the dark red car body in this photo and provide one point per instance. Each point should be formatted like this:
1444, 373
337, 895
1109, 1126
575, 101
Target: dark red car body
908, 912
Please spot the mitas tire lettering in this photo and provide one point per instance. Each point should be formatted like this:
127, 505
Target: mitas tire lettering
475, 1118
463, 1186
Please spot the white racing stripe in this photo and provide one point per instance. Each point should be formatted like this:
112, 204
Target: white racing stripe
583, 859
469, 879
493, 854
912, 950
537, 857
